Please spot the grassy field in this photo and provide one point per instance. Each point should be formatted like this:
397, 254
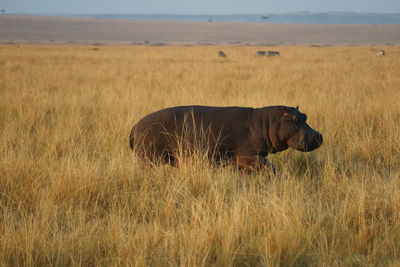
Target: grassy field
72, 193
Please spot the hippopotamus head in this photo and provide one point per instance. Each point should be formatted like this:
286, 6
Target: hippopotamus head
290, 129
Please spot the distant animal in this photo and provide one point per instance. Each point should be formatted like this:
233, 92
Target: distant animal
242, 136
381, 53
261, 53
273, 53
221, 54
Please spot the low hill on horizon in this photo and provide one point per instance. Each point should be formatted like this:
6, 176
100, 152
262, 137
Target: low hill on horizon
303, 17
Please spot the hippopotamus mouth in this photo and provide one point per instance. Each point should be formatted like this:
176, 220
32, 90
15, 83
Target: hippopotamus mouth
306, 142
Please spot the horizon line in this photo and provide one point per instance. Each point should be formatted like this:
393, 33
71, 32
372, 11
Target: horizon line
201, 14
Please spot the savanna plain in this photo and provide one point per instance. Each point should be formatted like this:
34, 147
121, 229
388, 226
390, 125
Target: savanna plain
72, 193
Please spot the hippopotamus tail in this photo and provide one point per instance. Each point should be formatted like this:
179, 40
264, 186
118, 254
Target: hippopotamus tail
131, 140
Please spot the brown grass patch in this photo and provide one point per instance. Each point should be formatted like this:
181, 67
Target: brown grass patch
71, 192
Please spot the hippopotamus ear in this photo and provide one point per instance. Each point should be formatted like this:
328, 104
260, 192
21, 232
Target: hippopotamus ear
297, 107
286, 111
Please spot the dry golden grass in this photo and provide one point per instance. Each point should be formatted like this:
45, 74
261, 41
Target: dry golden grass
71, 192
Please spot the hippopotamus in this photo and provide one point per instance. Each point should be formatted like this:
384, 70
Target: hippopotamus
243, 136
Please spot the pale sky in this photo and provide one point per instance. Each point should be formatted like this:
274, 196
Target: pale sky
196, 6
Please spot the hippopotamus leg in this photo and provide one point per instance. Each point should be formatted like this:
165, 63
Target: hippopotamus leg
255, 162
